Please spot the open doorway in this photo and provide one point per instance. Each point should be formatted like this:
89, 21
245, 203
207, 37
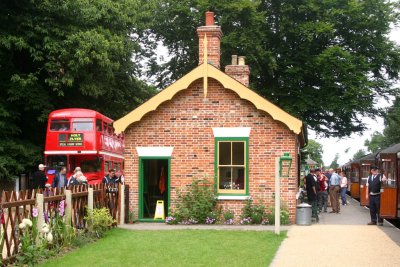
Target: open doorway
154, 183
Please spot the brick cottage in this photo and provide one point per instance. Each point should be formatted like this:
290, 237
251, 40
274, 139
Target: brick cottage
209, 124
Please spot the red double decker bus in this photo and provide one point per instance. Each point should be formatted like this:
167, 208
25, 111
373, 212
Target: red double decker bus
85, 138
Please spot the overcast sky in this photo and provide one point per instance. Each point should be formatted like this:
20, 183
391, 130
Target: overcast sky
332, 146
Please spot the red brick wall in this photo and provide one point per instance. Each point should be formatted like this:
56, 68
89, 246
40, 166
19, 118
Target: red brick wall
186, 123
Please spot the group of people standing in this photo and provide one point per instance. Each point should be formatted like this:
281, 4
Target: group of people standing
319, 185
77, 178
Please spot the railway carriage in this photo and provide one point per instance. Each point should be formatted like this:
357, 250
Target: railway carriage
389, 164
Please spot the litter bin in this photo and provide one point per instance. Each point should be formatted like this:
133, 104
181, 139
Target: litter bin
303, 214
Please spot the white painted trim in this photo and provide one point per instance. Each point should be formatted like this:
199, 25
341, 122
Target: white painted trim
87, 152
55, 152
231, 131
154, 151
111, 154
233, 197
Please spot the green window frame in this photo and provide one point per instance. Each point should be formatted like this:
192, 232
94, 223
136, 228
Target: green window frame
231, 171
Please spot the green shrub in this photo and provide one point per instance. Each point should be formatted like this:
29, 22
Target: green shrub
99, 221
255, 212
131, 217
284, 215
228, 215
196, 202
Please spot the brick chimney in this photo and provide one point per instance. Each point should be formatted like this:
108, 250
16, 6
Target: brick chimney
238, 70
214, 34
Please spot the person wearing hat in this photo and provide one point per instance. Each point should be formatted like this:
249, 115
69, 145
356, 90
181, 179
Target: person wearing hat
373, 194
39, 178
60, 179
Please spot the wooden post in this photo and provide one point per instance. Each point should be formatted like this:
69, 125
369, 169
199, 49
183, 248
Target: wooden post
40, 217
277, 198
122, 205
68, 208
90, 199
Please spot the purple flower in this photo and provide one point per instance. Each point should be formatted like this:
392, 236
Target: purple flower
46, 217
210, 220
229, 221
34, 212
246, 220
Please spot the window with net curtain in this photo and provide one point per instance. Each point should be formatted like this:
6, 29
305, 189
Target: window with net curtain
231, 167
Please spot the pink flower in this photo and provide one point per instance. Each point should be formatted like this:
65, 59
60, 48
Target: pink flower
34, 212
61, 208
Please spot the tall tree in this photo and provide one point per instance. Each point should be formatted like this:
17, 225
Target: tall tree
376, 143
392, 124
59, 54
314, 151
325, 62
390, 133
359, 154
334, 164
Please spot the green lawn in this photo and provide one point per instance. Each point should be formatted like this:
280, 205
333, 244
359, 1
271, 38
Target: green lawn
176, 248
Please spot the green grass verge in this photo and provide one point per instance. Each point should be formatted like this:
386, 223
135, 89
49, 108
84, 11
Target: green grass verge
176, 248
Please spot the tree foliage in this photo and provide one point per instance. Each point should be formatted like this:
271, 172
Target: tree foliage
60, 54
325, 62
390, 134
314, 151
376, 143
359, 154
334, 164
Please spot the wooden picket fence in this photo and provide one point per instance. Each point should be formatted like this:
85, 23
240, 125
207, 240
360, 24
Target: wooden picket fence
16, 206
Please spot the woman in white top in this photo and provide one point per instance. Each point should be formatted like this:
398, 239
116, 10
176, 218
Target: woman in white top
343, 188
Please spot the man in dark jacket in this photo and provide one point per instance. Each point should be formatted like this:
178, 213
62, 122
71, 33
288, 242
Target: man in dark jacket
311, 181
39, 178
60, 179
111, 178
373, 194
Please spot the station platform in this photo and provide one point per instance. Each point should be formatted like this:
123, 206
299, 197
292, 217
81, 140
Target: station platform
342, 239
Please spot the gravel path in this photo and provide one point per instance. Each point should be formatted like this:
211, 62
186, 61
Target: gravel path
341, 240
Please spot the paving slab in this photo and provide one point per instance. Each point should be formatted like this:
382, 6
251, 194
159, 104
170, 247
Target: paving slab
341, 239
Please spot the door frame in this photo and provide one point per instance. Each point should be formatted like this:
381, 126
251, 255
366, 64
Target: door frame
141, 189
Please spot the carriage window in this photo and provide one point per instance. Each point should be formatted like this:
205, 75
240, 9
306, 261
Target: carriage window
59, 125
388, 170
365, 172
354, 175
98, 125
82, 124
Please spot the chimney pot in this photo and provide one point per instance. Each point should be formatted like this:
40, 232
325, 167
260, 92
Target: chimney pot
209, 18
242, 60
213, 33
234, 60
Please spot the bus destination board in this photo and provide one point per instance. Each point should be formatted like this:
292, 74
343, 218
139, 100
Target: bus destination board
71, 139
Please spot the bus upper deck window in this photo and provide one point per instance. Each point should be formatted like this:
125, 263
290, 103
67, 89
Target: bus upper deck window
82, 124
98, 125
110, 129
104, 127
59, 125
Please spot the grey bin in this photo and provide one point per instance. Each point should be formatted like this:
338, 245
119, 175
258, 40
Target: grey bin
303, 214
